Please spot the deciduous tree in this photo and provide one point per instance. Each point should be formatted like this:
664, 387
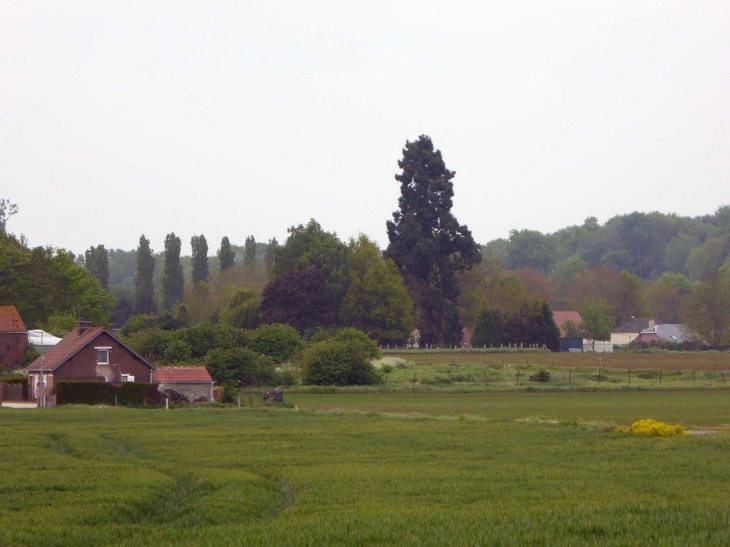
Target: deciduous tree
173, 282
144, 294
200, 258
226, 254
96, 260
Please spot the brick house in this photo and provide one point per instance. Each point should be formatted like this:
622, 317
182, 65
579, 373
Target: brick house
13, 338
192, 384
86, 354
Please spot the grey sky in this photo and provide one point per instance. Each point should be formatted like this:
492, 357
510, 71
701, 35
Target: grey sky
237, 118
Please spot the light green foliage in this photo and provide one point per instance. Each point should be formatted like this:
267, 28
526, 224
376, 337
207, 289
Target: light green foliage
566, 271
709, 313
342, 360
240, 366
596, 316
29, 355
530, 249
280, 342
707, 258
228, 477
178, 352
150, 343
242, 310
677, 251
205, 337
377, 300
571, 329
677, 281
60, 324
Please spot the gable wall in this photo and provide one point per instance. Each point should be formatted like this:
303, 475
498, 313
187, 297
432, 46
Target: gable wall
82, 366
12, 347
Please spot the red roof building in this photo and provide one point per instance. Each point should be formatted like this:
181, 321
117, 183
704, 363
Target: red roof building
85, 354
13, 338
561, 317
190, 384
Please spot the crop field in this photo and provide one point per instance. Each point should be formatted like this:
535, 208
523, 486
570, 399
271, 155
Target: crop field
505, 370
706, 407
90, 476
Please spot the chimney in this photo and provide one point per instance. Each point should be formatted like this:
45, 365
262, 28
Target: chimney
652, 324
83, 326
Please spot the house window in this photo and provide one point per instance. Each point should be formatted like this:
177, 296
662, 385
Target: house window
102, 356
127, 378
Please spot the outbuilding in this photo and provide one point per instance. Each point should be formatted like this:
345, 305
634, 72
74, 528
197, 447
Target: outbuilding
190, 384
13, 338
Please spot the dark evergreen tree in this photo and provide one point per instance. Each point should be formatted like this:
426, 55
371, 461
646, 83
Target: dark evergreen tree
97, 262
144, 293
226, 254
548, 331
489, 329
249, 253
173, 282
200, 258
427, 243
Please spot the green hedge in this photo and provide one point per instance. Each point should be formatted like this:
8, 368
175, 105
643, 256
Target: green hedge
14, 379
95, 393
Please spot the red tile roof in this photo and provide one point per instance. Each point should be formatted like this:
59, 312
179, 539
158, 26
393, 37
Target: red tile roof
561, 317
181, 375
69, 345
10, 321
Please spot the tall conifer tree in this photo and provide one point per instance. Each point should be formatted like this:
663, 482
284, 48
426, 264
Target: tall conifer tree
226, 254
249, 254
144, 289
427, 243
173, 281
200, 258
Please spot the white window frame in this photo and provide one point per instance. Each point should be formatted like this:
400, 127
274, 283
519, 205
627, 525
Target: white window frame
108, 350
128, 378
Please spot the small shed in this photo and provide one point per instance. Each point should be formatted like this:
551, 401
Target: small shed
190, 384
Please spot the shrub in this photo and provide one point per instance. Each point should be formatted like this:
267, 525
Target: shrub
541, 375
240, 366
280, 342
653, 428
94, 393
205, 337
337, 362
150, 342
242, 310
29, 355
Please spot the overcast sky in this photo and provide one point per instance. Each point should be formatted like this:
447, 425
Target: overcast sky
233, 118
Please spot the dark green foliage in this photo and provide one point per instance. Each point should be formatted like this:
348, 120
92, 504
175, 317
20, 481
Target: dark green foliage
249, 253
489, 329
150, 343
144, 293
178, 352
270, 256
124, 308
298, 297
541, 375
29, 355
97, 393
205, 337
97, 262
310, 246
242, 310
43, 282
342, 360
530, 249
280, 342
427, 243
241, 366
226, 254
200, 258
7, 210
173, 282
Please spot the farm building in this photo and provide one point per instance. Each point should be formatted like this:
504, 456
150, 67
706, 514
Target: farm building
628, 332
13, 338
87, 353
561, 317
192, 384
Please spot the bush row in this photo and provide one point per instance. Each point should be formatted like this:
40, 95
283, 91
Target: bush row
95, 393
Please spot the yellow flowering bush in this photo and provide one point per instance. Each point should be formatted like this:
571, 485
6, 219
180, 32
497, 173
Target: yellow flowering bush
653, 428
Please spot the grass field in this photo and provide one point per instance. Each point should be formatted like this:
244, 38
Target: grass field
86, 476
708, 407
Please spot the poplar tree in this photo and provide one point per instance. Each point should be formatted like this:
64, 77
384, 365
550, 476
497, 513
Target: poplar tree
427, 243
249, 253
144, 289
97, 262
173, 281
226, 254
200, 258
270, 256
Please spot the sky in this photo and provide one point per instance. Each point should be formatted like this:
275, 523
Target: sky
237, 118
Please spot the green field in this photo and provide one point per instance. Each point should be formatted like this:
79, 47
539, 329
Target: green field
82, 476
708, 407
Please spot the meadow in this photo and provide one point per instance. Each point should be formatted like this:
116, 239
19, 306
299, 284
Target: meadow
88, 476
